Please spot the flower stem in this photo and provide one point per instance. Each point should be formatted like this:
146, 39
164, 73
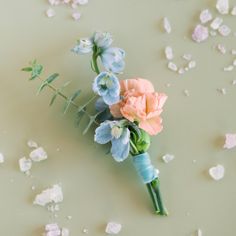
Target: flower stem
152, 195
94, 60
155, 186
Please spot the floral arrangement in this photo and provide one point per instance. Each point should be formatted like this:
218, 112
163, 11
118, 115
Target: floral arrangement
127, 112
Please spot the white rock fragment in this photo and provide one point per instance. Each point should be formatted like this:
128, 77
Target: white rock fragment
205, 16
168, 158
51, 227
54, 2
230, 141
233, 11
234, 82
85, 231
228, 68
50, 195
82, 2
221, 48
234, 62
233, 52
186, 93
217, 172
192, 64
113, 228
38, 154
172, 66
168, 85
76, 16
166, 25
65, 232
50, 13
222, 91
69, 217
169, 53
2, 159
199, 232
200, 33
187, 57
32, 144
222, 6
181, 71
224, 30
25, 164
215, 24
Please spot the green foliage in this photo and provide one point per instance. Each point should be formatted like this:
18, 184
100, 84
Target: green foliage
92, 120
35, 69
70, 100
47, 81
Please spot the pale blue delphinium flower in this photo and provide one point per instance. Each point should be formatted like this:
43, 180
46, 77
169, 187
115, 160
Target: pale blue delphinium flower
113, 59
107, 86
84, 46
119, 136
102, 39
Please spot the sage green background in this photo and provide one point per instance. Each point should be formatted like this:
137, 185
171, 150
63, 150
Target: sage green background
96, 188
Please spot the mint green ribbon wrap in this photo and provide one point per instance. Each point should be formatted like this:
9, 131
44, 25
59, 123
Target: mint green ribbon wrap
144, 167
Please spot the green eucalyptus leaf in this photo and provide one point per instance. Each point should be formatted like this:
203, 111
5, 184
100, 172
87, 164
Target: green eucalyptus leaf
70, 100
36, 71
51, 78
27, 69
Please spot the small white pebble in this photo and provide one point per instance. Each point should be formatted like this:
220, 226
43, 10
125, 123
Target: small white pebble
200, 33
221, 48
194, 161
224, 30
54, 2
199, 232
168, 85
230, 141
181, 71
234, 62
33, 187
233, 52
113, 228
82, 2
222, 6
228, 68
234, 82
166, 25
65, 232
186, 93
233, 11
2, 158
38, 154
51, 227
169, 53
32, 144
85, 231
222, 91
205, 16
168, 158
69, 217
25, 164
215, 24
76, 16
187, 57
192, 64
217, 172
50, 13
172, 66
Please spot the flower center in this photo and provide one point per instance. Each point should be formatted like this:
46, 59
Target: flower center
116, 131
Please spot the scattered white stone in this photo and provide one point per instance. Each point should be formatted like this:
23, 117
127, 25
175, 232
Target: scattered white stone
217, 172
187, 57
233, 52
25, 164
33, 187
168, 158
229, 68
69, 217
172, 66
222, 91
82, 2
233, 11
234, 82
234, 62
50, 13
215, 24
38, 154
76, 16
186, 93
200, 33
113, 228
54, 2
224, 30
192, 64
32, 144
194, 161
222, 6
221, 48
51, 227
50, 195
65, 232
181, 71
230, 141
168, 85
199, 232
166, 25
85, 231
205, 16
169, 53
2, 159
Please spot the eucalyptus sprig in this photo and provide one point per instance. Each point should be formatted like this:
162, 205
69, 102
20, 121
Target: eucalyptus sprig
35, 69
